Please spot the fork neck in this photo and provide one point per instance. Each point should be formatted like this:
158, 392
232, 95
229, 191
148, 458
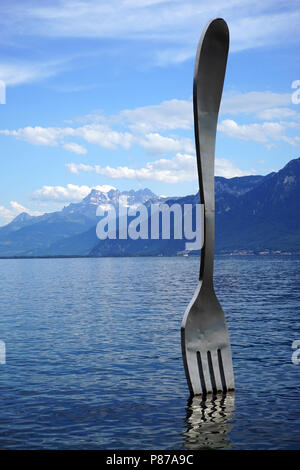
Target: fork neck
207, 196
205, 140
207, 252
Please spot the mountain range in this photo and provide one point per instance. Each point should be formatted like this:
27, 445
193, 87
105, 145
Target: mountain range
253, 214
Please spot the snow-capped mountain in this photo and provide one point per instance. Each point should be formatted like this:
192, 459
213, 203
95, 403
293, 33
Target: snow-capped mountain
258, 213
42, 235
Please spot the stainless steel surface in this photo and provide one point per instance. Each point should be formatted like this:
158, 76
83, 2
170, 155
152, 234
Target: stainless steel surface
204, 335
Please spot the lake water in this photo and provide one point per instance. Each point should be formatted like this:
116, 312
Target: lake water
93, 354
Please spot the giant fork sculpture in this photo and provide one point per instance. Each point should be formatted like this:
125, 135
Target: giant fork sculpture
204, 335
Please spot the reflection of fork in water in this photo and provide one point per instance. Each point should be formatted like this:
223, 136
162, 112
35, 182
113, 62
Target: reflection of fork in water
208, 422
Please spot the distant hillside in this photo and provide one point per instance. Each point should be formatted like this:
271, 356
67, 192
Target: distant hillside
267, 217
253, 213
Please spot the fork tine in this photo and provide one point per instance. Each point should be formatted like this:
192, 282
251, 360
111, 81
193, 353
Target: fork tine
192, 372
216, 369
203, 379
226, 361
204, 372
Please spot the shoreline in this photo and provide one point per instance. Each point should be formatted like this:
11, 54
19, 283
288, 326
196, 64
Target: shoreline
242, 253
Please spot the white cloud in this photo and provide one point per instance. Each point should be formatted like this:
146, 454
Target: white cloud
168, 115
144, 123
157, 144
147, 122
256, 132
8, 214
98, 134
103, 136
178, 114
20, 72
69, 193
17, 208
5, 213
277, 113
168, 30
36, 135
179, 169
75, 168
264, 25
76, 148
227, 169
252, 102
252, 23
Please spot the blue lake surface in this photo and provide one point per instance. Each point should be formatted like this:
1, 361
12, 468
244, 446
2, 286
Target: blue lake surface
93, 354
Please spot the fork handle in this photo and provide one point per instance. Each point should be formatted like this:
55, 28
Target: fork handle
209, 74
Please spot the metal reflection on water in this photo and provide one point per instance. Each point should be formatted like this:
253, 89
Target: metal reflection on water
209, 422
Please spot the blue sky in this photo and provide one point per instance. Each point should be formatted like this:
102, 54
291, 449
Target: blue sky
99, 93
